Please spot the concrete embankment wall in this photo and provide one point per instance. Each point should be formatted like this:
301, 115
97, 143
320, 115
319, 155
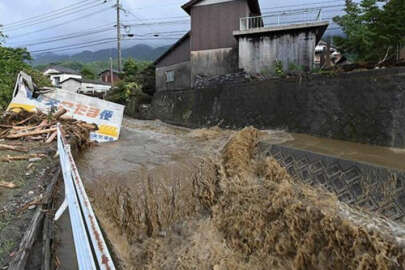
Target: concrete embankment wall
376, 189
366, 107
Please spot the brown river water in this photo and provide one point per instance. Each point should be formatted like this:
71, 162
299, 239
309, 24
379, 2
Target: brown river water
173, 198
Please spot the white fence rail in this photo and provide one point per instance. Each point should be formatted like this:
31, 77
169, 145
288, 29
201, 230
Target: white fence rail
87, 235
283, 18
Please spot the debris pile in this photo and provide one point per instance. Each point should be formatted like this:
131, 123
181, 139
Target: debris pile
37, 126
29, 172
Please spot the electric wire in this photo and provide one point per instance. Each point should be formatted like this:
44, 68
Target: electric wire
85, 16
87, 6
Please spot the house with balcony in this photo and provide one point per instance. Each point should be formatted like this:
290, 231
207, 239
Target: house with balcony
229, 36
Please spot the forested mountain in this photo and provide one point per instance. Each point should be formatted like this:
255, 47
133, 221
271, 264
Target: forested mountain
140, 52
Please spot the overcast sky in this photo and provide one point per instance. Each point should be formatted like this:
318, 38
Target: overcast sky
163, 21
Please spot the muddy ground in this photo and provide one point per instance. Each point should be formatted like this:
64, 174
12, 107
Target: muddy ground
17, 205
173, 198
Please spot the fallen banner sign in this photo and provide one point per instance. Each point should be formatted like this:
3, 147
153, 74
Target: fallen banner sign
107, 115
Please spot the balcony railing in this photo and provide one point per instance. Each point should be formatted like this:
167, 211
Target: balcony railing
283, 18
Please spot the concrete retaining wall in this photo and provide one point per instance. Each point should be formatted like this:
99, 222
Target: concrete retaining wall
373, 188
366, 107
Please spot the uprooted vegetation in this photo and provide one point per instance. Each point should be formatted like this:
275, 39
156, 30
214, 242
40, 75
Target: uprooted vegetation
239, 212
37, 126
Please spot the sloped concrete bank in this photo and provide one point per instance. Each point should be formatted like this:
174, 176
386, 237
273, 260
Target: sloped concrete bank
373, 187
364, 106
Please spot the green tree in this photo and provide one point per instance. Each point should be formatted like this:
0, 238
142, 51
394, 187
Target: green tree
2, 37
372, 33
12, 61
87, 73
133, 68
392, 24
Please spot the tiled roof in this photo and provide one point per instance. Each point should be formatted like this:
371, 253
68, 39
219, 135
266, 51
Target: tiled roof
64, 70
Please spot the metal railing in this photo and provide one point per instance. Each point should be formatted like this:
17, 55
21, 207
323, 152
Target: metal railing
87, 235
283, 18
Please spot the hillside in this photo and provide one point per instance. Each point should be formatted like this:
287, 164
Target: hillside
139, 52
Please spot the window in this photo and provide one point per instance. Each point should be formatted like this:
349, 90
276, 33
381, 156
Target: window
170, 76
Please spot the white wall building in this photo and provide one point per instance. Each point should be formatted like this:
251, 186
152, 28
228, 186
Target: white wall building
93, 86
71, 85
59, 74
85, 86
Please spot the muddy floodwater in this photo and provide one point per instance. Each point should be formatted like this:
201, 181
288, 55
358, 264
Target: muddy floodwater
146, 144
173, 198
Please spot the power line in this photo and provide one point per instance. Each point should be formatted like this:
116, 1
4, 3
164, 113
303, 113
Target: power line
82, 34
49, 12
98, 43
85, 34
187, 18
141, 22
74, 45
167, 5
75, 48
160, 22
57, 15
85, 16
70, 34
19, 28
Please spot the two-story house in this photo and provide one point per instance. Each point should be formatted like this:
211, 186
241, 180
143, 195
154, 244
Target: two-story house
227, 36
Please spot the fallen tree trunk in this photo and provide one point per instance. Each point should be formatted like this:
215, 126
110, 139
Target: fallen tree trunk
13, 148
24, 157
33, 133
52, 137
59, 113
7, 184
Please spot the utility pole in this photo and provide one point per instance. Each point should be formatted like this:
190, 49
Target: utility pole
119, 35
111, 72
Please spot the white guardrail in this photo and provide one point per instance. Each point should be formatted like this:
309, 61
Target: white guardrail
91, 249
